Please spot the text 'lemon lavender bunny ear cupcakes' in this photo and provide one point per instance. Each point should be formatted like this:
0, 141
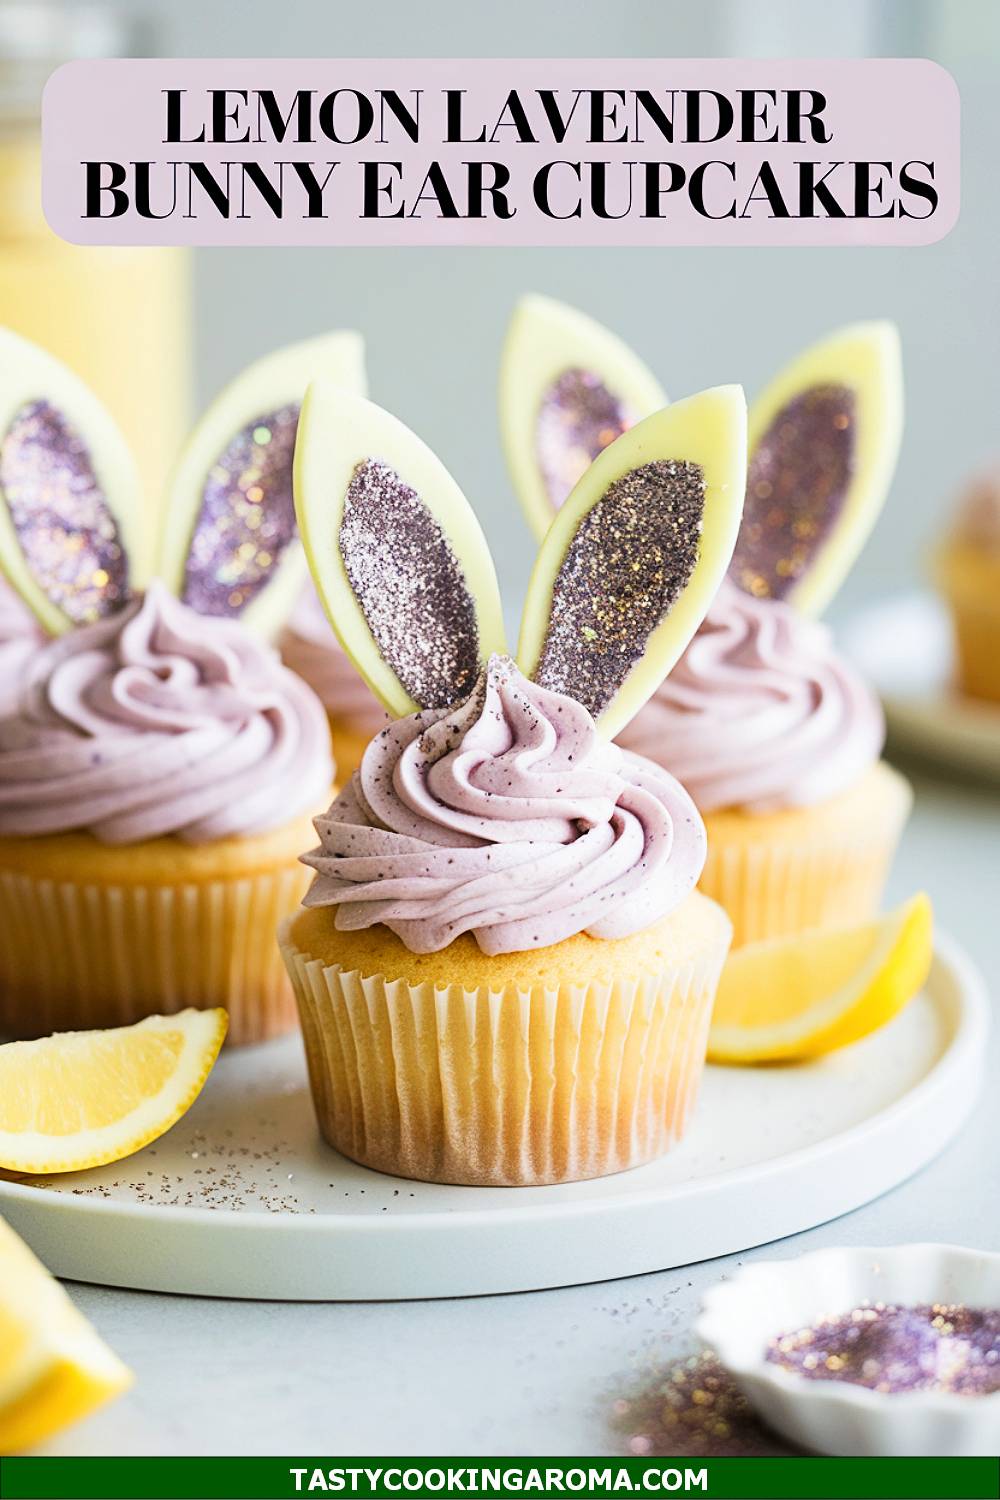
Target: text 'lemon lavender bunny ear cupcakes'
504, 972
159, 766
770, 729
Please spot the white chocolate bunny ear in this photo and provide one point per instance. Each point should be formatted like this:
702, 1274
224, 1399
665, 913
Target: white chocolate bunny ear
69, 492
396, 553
824, 438
568, 388
229, 545
634, 558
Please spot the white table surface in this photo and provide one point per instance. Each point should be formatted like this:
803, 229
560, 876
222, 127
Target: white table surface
527, 1374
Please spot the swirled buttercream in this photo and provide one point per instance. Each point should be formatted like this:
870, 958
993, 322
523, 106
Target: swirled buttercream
310, 648
20, 635
507, 817
157, 720
760, 712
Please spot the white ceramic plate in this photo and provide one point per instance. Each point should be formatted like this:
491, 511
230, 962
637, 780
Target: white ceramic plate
242, 1198
904, 647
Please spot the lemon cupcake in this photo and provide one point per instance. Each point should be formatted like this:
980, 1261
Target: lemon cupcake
504, 972
775, 737
967, 569
778, 741
158, 765
310, 648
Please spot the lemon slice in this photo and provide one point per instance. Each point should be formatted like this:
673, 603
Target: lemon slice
83, 1098
802, 996
53, 1367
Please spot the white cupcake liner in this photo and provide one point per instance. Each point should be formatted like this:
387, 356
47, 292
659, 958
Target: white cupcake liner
772, 888
77, 955
514, 1087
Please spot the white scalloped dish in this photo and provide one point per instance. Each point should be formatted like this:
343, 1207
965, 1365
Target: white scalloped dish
740, 1317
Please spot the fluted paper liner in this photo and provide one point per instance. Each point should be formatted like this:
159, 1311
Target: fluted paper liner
75, 955
506, 1087
771, 888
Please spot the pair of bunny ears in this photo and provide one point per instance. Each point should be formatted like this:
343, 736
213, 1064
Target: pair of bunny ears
76, 539
823, 439
623, 578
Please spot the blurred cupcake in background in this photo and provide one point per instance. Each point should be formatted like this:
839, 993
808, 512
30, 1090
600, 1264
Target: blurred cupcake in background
967, 571
309, 647
778, 741
158, 764
774, 736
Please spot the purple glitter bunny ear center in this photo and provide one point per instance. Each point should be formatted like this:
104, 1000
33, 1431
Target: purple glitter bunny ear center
577, 419
410, 587
65, 528
629, 560
247, 517
798, 480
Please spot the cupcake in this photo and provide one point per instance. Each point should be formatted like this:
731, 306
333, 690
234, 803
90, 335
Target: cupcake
774, 736
158, 764
967, 569
504, 972
778, 741
310, 648
156, 783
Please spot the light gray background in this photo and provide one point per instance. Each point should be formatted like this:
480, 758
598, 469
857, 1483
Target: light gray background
434, 319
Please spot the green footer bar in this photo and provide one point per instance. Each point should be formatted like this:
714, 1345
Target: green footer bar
275, 1478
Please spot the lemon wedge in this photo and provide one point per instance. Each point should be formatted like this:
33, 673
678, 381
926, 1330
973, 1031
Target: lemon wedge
797, 997
53, 1367
83, 1098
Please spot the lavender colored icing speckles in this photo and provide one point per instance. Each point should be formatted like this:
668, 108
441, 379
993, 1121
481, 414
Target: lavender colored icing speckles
67, 533
577, 419
157, 721
508, 817
410, 586
936, 1347
247, 516
799, 476
629, 560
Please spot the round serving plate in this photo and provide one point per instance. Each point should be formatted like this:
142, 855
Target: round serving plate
904, 646
243, 1199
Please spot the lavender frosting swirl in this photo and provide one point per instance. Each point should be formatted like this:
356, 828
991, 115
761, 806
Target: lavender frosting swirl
156, 720
760, 712
20, 635
507, 817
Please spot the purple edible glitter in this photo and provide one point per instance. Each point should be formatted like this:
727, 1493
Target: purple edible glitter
937, 1347
410, 586
798, 480
628, 562
247, 516
67, 533
577, 419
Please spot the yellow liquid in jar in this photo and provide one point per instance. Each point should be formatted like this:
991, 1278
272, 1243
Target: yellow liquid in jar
119, 317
